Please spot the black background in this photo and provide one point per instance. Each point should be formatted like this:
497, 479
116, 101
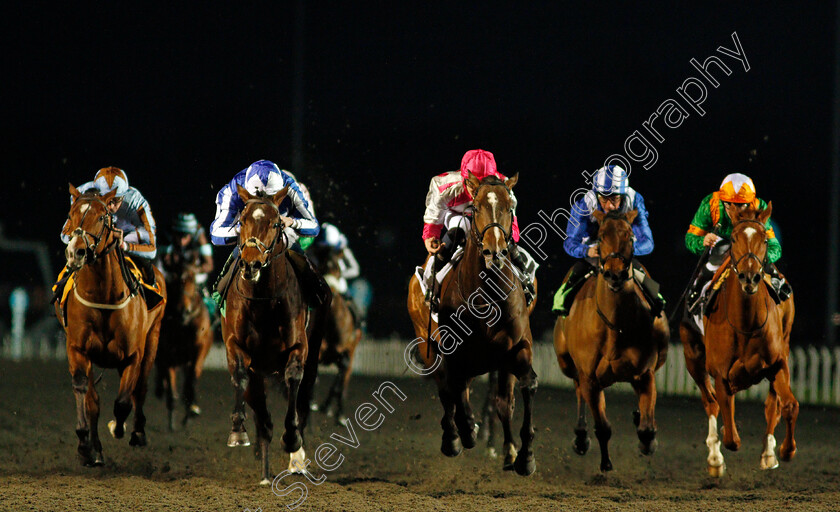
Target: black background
182, 99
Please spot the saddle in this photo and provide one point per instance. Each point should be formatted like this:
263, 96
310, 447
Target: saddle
720, 277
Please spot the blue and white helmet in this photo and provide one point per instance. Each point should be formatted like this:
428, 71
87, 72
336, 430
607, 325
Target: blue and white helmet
330, 236
610, 180
263, 176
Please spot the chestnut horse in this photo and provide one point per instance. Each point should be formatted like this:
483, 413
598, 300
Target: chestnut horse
611, 336
108, 324
341, 337
264, 325
185, 339
747, 339
484, 326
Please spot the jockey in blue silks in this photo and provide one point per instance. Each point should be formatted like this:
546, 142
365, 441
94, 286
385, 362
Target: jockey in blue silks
610, 192
264, 177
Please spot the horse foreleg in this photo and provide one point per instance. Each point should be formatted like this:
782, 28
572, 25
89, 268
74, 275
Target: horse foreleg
342, 380
645, 388
504, 408
92, 407
790, 411
255, 397
292, 440
594, 396
488, 414
80, 370
239, 376
170, 397
580, 444
772, 412
731, 439
464, 417
191, 410
122, 405
525, 463
450, 444
138, 395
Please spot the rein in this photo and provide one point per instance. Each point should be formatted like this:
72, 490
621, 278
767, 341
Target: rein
628, 270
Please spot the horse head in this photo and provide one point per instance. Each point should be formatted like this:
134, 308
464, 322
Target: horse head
492, 225
748, 252
261, 230
615, 246
88, 221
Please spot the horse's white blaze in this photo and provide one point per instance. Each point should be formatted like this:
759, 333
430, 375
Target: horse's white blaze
494, 203
297, 462
84, 207
258, 213
715, 458
750, 232
768, 456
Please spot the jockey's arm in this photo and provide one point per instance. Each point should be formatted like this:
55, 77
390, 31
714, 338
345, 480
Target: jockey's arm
224, 230
641, 230
349, 266
205, 251
303, 220
435, 211
149, 249
701, 225
774, 248
577, 228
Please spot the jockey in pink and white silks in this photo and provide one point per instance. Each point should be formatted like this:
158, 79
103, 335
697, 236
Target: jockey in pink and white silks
264, 177
446, 203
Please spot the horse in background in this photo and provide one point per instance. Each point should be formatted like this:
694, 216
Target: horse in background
185, 339
107, 324
612, 336
341, 337
484, 327
268, 331
747, 340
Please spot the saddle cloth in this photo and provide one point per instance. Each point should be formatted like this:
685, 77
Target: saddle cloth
152, 294
424, 273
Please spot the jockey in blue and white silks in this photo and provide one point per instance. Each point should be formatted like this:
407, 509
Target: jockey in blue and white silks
265, 177
262, 176
611, 192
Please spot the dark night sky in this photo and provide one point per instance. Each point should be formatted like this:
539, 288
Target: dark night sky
396, 92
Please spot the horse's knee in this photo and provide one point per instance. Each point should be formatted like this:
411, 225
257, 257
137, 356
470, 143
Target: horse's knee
294, 370
791, 410
80, 382
603, 432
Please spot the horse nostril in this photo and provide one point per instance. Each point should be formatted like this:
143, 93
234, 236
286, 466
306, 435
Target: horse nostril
504, 252
487, 253
80, 253
756, 278
742, 277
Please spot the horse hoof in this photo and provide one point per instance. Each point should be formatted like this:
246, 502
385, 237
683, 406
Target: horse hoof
606, 466
112, 428
194, 411
313, 407
717, 471
768, 462
238, 439
649, 448
137, 439
341, 420
265, 481
491, 452
637, 417
451, 448
580, 445
468, 438
525, 465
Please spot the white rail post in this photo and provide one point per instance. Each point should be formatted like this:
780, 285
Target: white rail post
825, 360
801, 371
813, 375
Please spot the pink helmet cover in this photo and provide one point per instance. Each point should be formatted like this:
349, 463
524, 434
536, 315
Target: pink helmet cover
480, 163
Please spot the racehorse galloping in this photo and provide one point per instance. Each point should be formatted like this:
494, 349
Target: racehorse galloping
747, 339
185, 338
611, 336
264, 326
483, 307
341, 339
107, 324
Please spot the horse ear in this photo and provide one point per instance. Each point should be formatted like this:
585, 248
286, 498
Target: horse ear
243, 193
279, 196
764, 214
631, 215
110, 195
510, 182
74, 192
472, 184
599, 216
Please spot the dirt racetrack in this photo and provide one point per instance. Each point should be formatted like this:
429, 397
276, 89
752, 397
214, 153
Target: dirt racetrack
398, 466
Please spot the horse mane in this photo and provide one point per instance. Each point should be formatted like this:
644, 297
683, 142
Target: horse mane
492, 180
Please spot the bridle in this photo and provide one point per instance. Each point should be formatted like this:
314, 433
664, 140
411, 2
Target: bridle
266, 250
626, 274
105, 218
478, 236
734, 267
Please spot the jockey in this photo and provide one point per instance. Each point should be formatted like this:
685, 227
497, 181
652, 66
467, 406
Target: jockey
446, 202
712, 227
610, 192
190, 245
131, 215
265, 177
332, 242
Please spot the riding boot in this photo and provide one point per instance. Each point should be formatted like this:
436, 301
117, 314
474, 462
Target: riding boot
527, 267
574, 280
316, 292
650, 289
439, 260
694, 299
780, 284
223, 279
58, 288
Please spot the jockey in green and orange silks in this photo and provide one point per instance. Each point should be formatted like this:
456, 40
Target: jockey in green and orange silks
712, 227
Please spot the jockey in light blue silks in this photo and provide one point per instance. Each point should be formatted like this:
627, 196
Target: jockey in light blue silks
610, 192
264, 177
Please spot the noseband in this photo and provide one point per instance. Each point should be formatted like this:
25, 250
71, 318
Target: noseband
106, 224
626, 260
478, 236
748, 255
